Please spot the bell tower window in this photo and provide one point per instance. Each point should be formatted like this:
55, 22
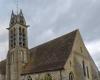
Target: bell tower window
23, 37
20, 37
12, 38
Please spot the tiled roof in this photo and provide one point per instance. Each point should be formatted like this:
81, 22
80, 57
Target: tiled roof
51, 55
3, 67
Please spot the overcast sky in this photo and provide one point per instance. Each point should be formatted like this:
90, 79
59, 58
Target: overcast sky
49, 19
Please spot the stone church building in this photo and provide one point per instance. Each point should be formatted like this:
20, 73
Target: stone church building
64, 58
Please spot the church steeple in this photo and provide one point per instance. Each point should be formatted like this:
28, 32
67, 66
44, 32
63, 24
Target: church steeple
18, 46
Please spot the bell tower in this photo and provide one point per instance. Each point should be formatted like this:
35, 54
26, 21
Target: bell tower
18, 46
17, 31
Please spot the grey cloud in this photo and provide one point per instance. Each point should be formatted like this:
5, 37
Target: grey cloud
78, 15
62, 19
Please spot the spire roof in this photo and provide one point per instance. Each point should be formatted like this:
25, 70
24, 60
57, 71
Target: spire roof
17, 18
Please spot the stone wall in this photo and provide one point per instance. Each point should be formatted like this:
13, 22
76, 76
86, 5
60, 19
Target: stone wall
80, 53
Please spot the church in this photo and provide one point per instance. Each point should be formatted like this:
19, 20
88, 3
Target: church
63, 58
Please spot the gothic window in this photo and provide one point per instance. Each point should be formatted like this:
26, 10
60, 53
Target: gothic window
87, 71
20, 31
29, 78
23, 37
71, 76
84, 71
23, 31
11, 39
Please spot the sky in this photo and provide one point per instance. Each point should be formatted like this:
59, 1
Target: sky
49, 19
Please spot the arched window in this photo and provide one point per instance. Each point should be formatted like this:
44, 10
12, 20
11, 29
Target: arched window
87, 71
29, 78
84, 71
71, 76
